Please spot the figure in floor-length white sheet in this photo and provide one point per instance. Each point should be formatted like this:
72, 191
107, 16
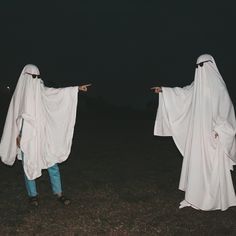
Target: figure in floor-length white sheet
39, 129
201, 119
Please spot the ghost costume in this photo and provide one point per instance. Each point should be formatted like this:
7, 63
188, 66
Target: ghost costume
201, 119
49, 117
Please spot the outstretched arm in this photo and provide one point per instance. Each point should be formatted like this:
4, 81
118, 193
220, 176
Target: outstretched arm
156, 89
84, 87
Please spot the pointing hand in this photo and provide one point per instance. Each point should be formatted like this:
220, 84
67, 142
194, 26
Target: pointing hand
156, 89
84, 87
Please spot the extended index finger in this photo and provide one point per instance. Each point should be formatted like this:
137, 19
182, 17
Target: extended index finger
87, 85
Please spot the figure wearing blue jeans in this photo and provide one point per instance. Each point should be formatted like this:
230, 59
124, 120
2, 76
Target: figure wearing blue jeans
55, 179
51, 111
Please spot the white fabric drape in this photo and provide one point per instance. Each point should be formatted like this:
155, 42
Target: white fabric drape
192, 116
49, 117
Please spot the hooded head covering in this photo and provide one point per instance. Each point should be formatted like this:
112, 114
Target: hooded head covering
30, 69
206, 68
49, 117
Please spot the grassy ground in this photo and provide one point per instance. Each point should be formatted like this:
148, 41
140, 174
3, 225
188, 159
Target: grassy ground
122, 181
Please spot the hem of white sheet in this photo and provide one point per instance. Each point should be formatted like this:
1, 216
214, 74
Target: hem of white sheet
185, 203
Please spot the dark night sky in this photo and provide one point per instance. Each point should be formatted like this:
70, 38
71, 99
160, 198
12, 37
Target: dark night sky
122, 47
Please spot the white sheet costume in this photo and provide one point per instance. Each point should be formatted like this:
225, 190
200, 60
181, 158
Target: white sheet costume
193, 115
49, 117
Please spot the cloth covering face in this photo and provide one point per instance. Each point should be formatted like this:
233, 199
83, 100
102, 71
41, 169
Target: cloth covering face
49, 117
193, 115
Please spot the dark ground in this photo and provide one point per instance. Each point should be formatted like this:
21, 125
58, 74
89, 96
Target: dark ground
122, 181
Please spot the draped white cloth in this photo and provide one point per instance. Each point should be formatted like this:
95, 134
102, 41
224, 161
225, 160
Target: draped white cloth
193, 115
49, 117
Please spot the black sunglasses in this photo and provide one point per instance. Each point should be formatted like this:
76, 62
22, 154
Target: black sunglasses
33, 75
202, 63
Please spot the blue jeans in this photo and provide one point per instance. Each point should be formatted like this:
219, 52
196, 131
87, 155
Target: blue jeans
55, 180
